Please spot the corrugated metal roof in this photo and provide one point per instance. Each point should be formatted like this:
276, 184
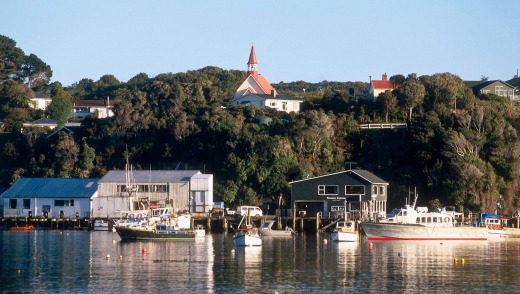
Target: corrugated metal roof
52, 188
150, 176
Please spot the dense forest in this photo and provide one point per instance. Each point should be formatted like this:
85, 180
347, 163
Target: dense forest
459, 149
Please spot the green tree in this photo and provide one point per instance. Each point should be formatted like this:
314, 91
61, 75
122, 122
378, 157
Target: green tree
34, 72
11, 57
61, 106
413, 92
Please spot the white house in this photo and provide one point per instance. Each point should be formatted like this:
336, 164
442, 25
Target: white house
99, 108
40, 101
49, 197
379, 86
257, 91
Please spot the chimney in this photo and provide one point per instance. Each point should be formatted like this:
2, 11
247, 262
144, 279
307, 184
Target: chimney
370, 79
273, 93
384, 77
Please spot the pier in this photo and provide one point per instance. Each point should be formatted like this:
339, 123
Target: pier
215, 223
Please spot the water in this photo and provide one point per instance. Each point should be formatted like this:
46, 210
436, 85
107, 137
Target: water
76, 261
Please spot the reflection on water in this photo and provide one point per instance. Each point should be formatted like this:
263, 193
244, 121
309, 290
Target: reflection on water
50, 261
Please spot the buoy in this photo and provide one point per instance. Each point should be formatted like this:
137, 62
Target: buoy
108, 257
456, 260
143, 251
462, 261
120, 257
275, 292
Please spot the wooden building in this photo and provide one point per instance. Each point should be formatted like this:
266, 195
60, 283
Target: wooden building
357, 192
49, 198
185, 190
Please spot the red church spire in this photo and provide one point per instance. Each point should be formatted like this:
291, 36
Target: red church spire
252, 64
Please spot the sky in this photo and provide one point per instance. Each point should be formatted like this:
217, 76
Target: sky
300, 40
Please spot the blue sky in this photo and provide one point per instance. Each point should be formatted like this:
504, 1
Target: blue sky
294, 40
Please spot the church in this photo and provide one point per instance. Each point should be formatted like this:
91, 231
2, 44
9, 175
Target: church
257, 91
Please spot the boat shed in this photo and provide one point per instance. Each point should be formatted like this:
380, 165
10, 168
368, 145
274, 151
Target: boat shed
359, 193
122, 191
49, 197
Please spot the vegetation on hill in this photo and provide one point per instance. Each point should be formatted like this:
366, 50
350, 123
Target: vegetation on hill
458, 149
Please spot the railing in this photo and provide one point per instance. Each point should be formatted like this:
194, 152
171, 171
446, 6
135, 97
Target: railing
384, 126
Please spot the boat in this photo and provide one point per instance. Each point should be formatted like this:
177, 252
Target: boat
344, 231
102, 225
266, 230
173, 228
246, 233
408, 223
22, 228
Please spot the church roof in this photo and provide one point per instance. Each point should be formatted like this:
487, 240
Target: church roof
252, 56
263, 83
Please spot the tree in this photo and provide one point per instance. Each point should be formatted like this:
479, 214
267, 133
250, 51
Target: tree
11, 57
61, 105
413, 92
34, 72
388, 103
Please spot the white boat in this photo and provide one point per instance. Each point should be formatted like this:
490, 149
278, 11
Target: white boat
407, 223
246, 234
266, 230
345, 231
102, 225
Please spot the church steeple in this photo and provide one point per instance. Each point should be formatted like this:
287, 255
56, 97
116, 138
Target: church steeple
252, 64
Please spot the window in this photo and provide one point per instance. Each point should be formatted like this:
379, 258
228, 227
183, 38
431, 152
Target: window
328, 190
284, 105
26, 203
374, 190
63, 202
381, 190
12, 203
273, 104
354, 190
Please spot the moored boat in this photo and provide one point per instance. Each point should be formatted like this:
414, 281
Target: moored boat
408, 223
102, 225
159, 232
344, 231
246, 234
267, 230
22, 228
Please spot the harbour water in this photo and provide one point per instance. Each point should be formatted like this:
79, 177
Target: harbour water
98, 262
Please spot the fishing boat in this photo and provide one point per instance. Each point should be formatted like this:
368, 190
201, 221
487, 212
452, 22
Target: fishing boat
246, 233
22, 228
169, 229
344, 231
408, 223
266, 230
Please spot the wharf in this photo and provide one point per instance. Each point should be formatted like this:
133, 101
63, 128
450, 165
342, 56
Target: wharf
212, 222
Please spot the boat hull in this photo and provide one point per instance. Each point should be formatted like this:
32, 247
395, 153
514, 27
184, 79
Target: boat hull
275, 233
133, 234
344, 236
22, 229
247, 240
393, 231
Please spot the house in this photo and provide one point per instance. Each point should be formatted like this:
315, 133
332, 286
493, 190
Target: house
40, 101
257, 91
358, 192
495, 87
119, 191
379, 86
99, 108
49, 197
47, 123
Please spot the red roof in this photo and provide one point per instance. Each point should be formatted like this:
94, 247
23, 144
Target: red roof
381, 84
264, 84
252, 56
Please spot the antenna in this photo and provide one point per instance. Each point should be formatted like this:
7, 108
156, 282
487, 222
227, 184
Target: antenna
350, 163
